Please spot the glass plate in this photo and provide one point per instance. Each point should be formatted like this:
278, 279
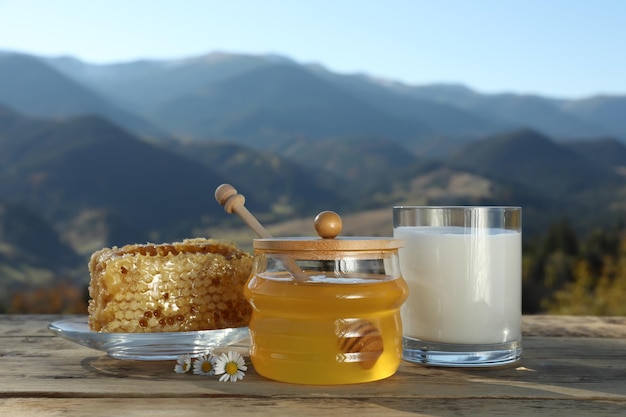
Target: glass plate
148, 346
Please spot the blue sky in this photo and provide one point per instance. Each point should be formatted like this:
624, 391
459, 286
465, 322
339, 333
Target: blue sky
557, 48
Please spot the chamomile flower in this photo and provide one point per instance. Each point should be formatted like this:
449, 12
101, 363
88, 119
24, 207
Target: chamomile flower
204, 365
183, 364
230, 366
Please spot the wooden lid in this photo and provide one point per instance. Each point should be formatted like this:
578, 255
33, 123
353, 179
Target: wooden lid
328, 225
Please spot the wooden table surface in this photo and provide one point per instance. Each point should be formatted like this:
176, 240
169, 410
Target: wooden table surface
571, 366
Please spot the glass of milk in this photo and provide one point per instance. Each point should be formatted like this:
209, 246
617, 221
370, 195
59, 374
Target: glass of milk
463, 268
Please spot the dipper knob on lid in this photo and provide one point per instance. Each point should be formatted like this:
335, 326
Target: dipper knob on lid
328, 224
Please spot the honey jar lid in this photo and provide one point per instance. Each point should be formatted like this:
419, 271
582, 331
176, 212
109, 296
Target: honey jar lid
328, 226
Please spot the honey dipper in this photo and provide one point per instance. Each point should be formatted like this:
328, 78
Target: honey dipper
360, 337
233, 202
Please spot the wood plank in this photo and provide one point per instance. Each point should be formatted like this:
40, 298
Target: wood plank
551, 368
575, 367
574, 326
28, 324
317, 407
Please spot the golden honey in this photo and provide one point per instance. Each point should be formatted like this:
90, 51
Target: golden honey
325, 330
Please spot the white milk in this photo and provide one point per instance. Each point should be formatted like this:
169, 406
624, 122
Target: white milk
463, 288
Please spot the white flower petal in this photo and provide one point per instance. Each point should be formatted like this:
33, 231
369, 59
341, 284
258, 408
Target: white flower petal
183, 364
204, 361
224, 364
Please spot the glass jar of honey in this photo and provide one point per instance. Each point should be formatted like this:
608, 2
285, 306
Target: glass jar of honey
326, 310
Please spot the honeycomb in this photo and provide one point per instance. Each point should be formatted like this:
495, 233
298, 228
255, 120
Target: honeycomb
196, 284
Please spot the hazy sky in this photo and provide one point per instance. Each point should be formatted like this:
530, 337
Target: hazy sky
558, 48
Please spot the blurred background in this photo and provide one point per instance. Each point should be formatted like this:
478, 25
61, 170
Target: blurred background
119, 119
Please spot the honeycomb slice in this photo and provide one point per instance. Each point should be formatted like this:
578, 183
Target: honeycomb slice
196, 284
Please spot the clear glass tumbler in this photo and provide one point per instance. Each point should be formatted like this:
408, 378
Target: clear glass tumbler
463, 269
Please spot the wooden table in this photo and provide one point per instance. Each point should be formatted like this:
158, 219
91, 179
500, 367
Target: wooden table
571, 366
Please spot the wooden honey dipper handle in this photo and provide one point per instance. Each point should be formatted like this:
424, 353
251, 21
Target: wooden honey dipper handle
227, 196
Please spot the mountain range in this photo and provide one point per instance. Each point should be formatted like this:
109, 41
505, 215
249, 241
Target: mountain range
235, 96
102, 155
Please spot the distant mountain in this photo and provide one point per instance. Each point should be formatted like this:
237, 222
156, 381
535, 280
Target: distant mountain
148, 84
269, 106
61, 168
96, 228
359, 161
515, 111
27, 239
606, 111
180, 95
439, 117
607, 152
558, 181
140, 84
549, 180
277, 183
32, 254
457, 95
438, 183
532, 159
104, 185
30, 86
10, 120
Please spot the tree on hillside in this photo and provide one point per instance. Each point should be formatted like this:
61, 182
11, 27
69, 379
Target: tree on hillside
598, 286
548, 265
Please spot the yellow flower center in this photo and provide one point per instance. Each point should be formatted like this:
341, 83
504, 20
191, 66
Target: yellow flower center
231, 368
206, 366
